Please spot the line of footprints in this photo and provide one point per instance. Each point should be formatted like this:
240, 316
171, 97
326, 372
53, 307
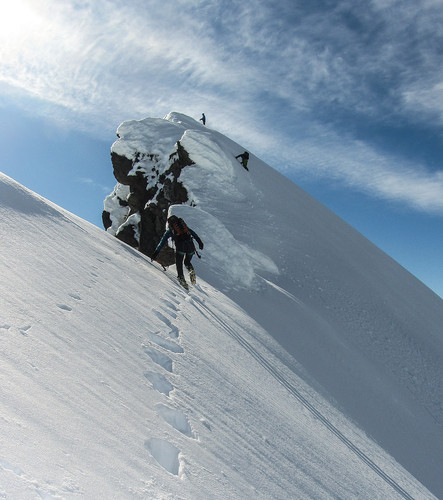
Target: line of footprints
165, 453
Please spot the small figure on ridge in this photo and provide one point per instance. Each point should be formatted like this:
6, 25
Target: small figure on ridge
245, 158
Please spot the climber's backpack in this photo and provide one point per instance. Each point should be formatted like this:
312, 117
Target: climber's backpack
180, 231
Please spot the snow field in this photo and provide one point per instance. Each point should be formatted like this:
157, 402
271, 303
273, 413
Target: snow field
118, 383
267, 379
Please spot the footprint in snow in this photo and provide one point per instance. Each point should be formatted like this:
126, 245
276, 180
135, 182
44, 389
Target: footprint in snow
162, 318
172, 305
64, 307
159, 382
159, 357
93, 277
165, 453
24, 330
173, 297
205, 423
75, 296
170, 313
176, 419
165, 343
174, 331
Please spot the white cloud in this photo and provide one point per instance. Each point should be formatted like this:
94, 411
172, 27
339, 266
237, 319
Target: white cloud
257, 72
104, 55
428, 102
360, 167
94, 184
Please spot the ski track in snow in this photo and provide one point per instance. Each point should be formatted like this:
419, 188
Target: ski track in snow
165, 453
199, 304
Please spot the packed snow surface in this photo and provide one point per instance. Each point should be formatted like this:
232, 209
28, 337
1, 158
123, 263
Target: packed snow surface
304, 364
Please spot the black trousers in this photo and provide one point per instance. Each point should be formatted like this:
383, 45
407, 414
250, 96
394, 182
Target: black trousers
179, 258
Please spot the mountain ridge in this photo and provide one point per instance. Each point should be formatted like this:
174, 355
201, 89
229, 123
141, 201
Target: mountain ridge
349, 294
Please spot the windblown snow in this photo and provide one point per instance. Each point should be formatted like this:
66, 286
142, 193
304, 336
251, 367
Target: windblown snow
304, 364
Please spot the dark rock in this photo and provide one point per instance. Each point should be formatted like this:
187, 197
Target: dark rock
122, 166
106, 218
151, 195
127, 235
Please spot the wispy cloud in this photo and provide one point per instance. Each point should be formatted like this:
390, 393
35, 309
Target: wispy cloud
94, 184
358, 166
268, 74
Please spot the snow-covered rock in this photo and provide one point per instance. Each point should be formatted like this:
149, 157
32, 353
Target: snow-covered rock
148, 160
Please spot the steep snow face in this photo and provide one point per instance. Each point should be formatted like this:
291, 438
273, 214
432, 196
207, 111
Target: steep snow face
116, 383
232, 264
342, 312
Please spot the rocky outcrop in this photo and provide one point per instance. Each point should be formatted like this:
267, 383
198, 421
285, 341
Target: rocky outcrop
136, 211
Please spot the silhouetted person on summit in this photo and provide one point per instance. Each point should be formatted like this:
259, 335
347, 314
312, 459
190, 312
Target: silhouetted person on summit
203, 119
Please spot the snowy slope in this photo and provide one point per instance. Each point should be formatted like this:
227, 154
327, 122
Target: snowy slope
345, 316
118, 384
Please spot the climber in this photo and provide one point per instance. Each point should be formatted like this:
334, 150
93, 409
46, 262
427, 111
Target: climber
182, 235
245, 158
203, 119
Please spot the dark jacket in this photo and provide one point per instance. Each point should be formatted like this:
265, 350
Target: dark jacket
183, 243
244, 156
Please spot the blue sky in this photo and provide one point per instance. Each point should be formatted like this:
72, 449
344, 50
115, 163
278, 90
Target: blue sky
344, 97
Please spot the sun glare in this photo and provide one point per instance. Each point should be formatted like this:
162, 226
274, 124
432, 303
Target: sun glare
17, 19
